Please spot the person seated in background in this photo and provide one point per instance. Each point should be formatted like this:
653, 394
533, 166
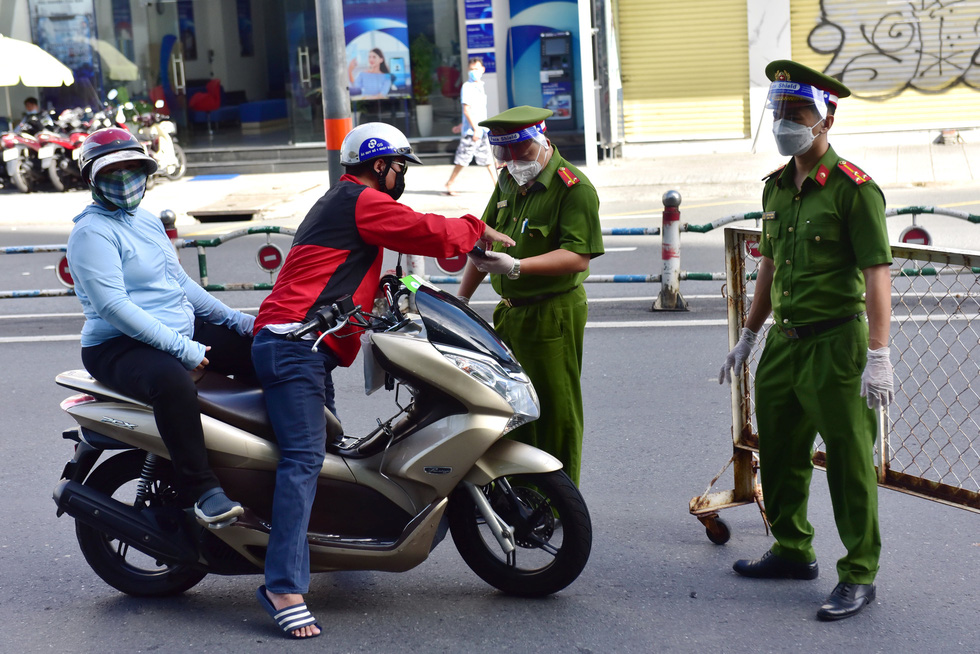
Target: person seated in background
34, 119
146, 322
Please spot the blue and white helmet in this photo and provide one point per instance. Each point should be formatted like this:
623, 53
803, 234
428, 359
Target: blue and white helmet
373, 140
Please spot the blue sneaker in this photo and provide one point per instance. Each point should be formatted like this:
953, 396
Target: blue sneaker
216, 510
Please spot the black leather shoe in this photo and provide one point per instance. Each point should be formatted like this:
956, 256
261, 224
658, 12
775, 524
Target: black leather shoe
771, 566
846, 600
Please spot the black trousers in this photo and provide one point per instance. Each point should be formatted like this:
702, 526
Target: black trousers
160, 379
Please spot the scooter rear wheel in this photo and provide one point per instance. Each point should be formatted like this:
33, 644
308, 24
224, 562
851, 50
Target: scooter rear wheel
117, 564
552, 529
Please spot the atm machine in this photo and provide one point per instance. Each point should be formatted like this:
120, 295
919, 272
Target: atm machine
558, 79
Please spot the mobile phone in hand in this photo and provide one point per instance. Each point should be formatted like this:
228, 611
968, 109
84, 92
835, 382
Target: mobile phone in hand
479, 252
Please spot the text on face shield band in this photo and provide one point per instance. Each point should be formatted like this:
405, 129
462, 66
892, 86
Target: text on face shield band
518, 136
781, 92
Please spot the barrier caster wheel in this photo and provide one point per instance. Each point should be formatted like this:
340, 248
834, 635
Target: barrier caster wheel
717, 530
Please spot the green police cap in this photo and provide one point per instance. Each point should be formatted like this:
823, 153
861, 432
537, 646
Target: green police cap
784, 70
516, 119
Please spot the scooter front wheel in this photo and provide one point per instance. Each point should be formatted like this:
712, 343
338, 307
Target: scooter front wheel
552, 532
115, 562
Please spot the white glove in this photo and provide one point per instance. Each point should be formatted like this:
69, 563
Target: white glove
497, 263
876, 380
738, 356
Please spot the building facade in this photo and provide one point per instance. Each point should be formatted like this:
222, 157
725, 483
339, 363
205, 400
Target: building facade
695, 69
238, 71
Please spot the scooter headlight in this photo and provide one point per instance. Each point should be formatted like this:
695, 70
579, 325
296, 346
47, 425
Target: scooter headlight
514, 387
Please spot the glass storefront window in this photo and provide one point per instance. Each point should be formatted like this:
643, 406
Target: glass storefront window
247, 72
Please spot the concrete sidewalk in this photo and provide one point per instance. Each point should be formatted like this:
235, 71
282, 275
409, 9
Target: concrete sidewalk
695, 168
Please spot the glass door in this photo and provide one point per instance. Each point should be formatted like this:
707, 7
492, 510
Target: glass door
140, 51
303, 98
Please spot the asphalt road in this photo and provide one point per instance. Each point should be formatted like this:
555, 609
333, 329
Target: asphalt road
658, 429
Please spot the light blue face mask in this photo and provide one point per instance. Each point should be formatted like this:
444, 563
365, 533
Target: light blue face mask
121, 188
476, 75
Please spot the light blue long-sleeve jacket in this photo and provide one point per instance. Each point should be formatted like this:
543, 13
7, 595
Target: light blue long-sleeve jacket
130, 282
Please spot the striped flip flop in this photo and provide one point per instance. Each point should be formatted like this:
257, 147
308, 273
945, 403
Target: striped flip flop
290, 618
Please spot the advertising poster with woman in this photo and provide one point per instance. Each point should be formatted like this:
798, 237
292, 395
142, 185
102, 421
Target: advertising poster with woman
376, 34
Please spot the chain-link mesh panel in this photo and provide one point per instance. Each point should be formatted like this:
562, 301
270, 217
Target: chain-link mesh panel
932, 444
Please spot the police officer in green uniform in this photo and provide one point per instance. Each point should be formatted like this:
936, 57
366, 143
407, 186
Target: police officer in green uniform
552, 211
825, 266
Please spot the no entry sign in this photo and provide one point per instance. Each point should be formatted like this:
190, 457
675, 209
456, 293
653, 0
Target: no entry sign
269, 258
451, 265
915, 235
64, 275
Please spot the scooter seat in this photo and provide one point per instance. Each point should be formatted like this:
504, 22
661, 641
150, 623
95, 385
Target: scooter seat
243, 406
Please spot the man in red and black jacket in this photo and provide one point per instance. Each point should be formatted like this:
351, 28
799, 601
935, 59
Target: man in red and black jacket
337, 251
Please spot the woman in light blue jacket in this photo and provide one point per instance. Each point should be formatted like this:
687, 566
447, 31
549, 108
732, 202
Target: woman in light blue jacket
146, 322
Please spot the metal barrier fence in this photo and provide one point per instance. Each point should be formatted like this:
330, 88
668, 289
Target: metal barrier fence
929, 440
270, 257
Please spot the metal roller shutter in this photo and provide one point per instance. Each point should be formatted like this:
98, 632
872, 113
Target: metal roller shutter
684, 68
907, 64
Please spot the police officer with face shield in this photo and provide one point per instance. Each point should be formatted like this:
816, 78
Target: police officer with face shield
552, 211
826, 368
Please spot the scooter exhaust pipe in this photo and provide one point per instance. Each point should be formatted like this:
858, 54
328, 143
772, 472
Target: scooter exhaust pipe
154, 533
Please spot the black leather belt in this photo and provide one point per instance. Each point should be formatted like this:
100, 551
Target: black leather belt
805, 331
532, 299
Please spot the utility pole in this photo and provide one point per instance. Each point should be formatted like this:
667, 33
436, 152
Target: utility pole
333, 81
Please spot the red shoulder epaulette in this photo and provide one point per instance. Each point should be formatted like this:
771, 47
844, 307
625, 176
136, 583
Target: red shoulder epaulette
857, 175
567, 177
773, 172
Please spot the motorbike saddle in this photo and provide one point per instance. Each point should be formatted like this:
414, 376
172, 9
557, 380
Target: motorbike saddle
243, 406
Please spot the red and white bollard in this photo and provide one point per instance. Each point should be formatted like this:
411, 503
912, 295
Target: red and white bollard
670, 298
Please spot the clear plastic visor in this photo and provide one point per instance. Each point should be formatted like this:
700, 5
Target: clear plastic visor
529, 144
785, 97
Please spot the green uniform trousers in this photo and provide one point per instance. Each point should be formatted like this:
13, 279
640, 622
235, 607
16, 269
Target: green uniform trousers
804, 387
547, 339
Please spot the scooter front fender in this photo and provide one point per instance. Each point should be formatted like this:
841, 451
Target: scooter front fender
507, 457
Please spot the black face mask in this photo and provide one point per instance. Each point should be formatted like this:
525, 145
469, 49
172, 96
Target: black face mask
399, 188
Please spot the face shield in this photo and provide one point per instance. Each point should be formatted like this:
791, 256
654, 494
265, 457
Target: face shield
524, 152
796, 110
786, 97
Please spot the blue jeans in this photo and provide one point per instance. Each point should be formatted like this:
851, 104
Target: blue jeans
297, 384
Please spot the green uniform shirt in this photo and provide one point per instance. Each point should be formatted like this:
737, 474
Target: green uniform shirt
820, 239
557, 212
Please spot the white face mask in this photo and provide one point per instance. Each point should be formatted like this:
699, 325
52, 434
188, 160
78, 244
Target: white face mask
524, 171
792, 138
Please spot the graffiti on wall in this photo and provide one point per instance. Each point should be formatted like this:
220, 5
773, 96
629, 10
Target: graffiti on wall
882, 48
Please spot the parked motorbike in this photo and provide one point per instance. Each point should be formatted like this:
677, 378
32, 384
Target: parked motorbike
159, 135
20, 155
384, 500
21, 149
59, 156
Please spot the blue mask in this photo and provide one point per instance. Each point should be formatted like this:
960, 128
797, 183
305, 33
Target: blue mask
475, 75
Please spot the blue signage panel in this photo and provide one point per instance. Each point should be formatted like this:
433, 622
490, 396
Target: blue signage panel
477, 9
479, 36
